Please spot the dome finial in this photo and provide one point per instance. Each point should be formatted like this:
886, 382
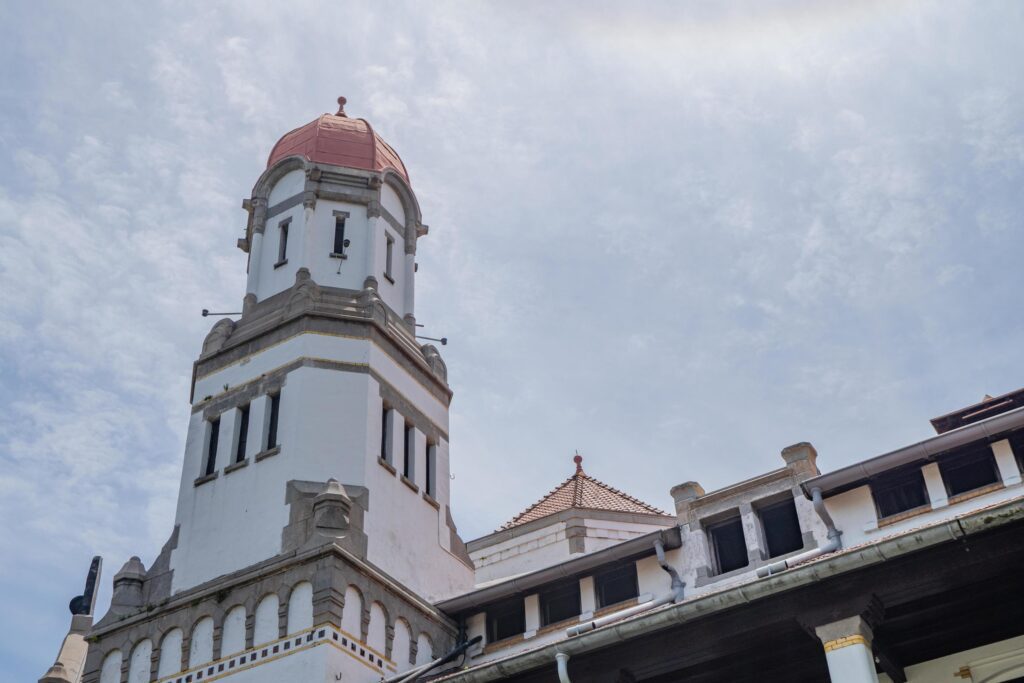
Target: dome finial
578, 459
341, 106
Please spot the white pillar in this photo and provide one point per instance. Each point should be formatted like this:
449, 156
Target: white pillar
532, 608
847, 644
1008, 470
410, 284
933, 482
374, 231
588, 598
255, 253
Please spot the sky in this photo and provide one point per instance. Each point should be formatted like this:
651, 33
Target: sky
676, 237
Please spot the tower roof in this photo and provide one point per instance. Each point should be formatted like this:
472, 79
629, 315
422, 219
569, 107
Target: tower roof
340, 141
584, 492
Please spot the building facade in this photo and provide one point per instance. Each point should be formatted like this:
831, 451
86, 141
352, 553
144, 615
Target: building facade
314, 540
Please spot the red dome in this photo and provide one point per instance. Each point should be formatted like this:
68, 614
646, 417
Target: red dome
338, 140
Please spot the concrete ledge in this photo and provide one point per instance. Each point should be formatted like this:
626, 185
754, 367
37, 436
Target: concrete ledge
236, 466
205, 478
408, 482
270, 452
386, 465
430, 500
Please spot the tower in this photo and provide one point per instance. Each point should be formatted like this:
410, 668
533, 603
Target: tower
312, 531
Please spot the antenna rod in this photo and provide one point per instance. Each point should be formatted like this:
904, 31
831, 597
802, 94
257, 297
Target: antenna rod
207, 312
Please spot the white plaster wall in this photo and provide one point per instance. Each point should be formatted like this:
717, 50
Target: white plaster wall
393, 293
533, 550
201, 645
321, 664
390, 200
110, 671
265, 628
352, 613
139, 665
401, 644
603, 534
289, 185
170, 653
300, 607
375, 633
425, 649
272, 280
233, 634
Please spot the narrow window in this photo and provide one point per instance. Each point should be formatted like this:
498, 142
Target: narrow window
409, 453
275, 410
339, 236
1017, 446
781, 527
431, 468
389, 258
243, 432
728, 547
282, 243
898, 491
506, 619
385, 435
616, 585
211, 448
969, 470
560, 603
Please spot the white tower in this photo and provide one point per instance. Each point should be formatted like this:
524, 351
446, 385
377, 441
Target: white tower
313, 507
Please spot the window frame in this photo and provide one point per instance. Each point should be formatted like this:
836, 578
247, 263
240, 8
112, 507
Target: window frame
389, 257
282, 242
601, 579
340, 243
560, 590
243, 432
430, 473
712, 529
771, 506
515, 607
409, 453
898, 479
212, 443
273, 420
963, 458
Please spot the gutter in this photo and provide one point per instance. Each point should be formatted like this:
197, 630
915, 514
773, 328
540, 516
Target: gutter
976, 522
634, 547
847, 477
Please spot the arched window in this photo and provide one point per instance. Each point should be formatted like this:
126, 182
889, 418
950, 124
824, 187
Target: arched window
170, 654
140, 662
200, 650
400, 645
266, 628
233, 632
424, 649
110, 672
378, 623
300, 607
352, 615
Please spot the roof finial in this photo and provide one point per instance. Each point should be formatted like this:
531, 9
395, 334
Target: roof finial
341, 106
578, 459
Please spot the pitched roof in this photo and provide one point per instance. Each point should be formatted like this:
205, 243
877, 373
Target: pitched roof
582, 491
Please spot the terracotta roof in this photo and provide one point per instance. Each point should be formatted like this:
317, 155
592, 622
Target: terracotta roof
582, 491
340, 141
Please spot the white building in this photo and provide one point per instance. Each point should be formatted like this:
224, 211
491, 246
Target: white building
313, 537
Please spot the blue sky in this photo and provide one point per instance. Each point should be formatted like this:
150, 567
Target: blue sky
676, 238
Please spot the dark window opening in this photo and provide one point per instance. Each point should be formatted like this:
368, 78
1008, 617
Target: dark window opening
211, 449
339, 235
389, 258
431, 466
282, 243
781, 528
275, 410
1017, 446
408, 454
899, 491
969, 470
560, 603
728, 547
385, 434
506, 619
243, 432
616, 585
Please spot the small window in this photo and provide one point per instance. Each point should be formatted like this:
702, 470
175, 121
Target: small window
781, 527
385, 435
282, 243
560, 603
728, 546
339, 235
243, 432
410, 452
389, 257
898, 491
211, 448
506, 619
275, 410
616, 585
969, 470
1017, 445
431, 469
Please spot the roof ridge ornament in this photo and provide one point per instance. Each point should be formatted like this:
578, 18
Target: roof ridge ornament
578, 459
341, 107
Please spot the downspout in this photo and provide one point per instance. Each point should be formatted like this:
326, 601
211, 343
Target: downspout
830, 546
562, 660
410, 676
675, 595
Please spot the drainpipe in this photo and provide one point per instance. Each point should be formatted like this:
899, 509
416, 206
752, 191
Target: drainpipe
410, 676
563, 667
675, 595
830, 546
